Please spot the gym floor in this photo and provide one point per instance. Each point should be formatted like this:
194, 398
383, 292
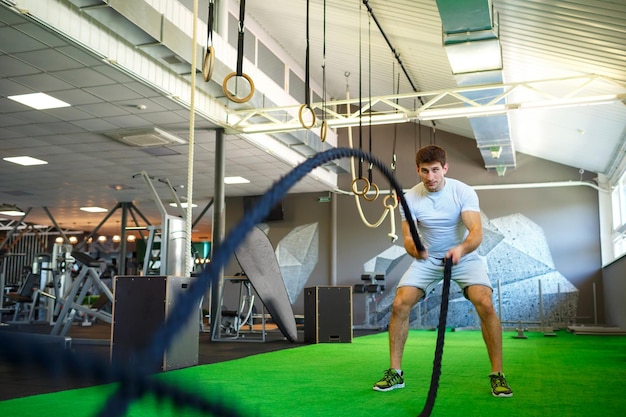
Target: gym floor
16, 382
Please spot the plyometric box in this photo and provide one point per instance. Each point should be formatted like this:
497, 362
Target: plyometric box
141, 306
328, 314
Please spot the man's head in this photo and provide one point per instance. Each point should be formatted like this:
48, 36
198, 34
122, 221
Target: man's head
431, 167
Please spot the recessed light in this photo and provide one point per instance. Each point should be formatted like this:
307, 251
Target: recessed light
39, 101
94, 209
236, 180
25, 160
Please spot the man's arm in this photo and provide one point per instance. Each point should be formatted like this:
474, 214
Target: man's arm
409, 244
471, 220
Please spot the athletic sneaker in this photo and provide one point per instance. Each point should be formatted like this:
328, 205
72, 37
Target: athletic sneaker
499, 387
391, 380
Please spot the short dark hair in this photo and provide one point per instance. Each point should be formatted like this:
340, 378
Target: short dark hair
430, 153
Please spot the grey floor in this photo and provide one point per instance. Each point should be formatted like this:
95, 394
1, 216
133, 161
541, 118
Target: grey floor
24, 379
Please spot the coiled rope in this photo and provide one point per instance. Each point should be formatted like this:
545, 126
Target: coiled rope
135, 382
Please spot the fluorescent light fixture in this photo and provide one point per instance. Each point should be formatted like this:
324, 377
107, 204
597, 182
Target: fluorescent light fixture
374, 119
236, 180
183, 205
438, 114
11, 210
94, 209
39, 101
25, 160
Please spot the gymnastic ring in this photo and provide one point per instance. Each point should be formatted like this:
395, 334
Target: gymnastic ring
376, 192
366, 188
230, 96
323, 130
395, 201
314, 119
207, 64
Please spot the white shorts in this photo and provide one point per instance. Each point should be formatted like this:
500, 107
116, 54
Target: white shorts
426, 273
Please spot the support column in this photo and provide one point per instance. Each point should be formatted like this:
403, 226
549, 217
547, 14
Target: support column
218, 234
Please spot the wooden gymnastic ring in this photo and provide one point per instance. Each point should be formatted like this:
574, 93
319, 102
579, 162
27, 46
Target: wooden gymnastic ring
230, 96
304, 125
366, 188
376, 193
207, 64
323, 130
395, 201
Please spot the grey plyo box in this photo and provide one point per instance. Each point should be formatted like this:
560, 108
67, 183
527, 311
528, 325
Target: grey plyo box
141, 306
328, 314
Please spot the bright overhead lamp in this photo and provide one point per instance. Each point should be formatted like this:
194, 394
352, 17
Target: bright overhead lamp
183, 205
236, 180
25, 160
11, 210
94, 209
467, 111
39, 101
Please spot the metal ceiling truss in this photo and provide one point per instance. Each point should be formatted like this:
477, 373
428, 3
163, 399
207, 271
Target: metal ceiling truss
442, 104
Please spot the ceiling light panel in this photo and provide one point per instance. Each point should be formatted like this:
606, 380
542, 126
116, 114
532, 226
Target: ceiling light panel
39, 101
25, 160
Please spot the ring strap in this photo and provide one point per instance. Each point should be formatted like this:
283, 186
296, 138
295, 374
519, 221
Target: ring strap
240, 43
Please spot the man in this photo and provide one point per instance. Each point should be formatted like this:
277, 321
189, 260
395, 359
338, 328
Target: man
447, 213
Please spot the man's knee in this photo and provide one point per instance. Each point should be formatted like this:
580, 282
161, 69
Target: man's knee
405, 300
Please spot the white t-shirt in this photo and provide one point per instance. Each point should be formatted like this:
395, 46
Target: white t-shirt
438, 214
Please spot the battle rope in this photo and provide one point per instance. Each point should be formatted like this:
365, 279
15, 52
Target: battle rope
441, 332
135, 381
239, 72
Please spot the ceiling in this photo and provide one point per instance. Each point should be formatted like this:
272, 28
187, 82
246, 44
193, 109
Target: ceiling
540, 40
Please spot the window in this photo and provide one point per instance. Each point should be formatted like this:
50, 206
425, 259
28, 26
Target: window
618, 209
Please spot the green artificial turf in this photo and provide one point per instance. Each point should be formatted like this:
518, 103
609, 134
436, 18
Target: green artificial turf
567, 375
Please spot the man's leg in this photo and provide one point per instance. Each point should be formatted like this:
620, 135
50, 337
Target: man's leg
405, 299
480, 296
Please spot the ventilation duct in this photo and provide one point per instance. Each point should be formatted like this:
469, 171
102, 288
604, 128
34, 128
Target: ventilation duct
470, 39
146, 138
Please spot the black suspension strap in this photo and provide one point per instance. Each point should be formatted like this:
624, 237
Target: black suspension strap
239, 72
359, 177
441, 331
307, 80
370, 175
209, 55
324, 127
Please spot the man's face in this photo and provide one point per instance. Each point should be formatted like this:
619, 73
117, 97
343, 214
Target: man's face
432, 174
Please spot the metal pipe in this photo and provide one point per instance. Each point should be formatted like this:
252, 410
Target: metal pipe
333, 240
541, 307
499, 301
552, 184
595, 305
219, 214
